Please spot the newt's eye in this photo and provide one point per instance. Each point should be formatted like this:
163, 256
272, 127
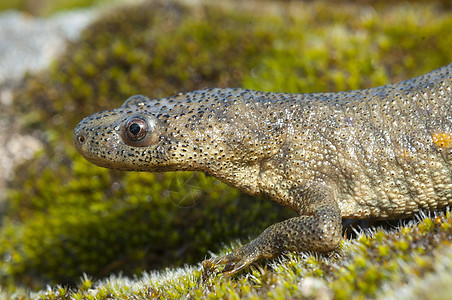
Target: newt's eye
139, 131
136, 129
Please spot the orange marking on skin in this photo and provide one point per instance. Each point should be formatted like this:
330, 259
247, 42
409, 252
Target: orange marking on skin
442, 139
404, 154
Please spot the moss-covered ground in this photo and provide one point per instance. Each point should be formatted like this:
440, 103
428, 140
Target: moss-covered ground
411, 262
66, 217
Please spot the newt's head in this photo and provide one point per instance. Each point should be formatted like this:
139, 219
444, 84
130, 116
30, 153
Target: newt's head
127, 138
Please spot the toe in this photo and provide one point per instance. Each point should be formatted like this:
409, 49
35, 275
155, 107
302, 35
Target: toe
234, 262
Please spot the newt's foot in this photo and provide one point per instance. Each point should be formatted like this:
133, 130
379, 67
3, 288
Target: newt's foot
237, 260
320, 232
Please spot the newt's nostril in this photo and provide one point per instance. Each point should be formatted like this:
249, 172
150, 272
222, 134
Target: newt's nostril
81, 138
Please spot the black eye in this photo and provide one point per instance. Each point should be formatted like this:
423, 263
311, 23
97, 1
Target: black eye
136, 129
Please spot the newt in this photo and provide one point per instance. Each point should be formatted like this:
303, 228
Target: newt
378, 153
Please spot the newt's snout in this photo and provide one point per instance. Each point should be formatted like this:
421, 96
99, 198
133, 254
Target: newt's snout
93, 139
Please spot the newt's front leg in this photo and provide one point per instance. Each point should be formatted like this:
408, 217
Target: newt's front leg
318, 228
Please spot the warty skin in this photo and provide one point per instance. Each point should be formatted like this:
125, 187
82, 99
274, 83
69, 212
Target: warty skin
380, 153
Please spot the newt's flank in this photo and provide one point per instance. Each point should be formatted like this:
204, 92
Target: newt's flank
379, 153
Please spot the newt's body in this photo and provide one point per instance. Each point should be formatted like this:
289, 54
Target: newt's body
379, 153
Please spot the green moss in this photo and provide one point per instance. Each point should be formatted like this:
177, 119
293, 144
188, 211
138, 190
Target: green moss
343, 51
427, 225
47, 7
67, 217
298, 275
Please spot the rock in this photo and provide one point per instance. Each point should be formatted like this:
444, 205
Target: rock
28, 44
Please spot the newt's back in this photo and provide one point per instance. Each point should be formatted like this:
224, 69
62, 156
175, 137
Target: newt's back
387, 151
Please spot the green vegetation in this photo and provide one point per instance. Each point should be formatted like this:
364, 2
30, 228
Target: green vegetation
66, 217
399, 260
47, 7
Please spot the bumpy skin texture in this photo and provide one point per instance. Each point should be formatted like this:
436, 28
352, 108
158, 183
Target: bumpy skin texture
379, 153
